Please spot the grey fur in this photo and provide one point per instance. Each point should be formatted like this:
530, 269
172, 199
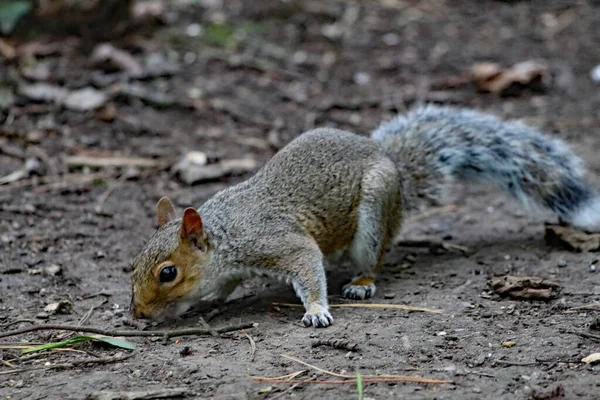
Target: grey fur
435, 147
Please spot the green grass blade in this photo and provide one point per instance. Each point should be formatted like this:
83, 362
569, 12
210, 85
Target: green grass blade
359, 385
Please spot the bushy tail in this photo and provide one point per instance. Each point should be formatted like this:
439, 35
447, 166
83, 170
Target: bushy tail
436, 147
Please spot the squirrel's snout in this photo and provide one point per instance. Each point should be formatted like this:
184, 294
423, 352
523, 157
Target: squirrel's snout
137, 312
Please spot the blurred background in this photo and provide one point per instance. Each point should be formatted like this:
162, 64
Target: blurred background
105, 106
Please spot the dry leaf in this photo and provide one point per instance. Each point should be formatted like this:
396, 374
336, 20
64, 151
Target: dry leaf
592, 358
60, 307
525, 288
85, 99
490, 77
78, 100
571, 238
192, 168
113, 58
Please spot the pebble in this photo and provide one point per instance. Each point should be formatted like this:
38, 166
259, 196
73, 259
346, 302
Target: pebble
42, 315
595, 73
593, 268
389, 295
562, 263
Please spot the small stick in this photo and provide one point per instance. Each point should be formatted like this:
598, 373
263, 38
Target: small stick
209, 328
252, 344
434, 246
414, 379
358, 305
86, 317
373, 378
55, 179
107, 332
72, 364
111, 187
336, 344
582, 334
584, 307
98, 162
19, 321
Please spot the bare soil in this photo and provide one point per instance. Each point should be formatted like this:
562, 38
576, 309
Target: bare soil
271, 71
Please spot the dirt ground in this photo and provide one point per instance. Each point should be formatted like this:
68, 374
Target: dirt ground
249, 76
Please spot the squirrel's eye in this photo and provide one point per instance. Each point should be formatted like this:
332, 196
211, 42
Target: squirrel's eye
168, 274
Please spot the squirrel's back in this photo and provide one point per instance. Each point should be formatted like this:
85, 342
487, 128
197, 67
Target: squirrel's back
313, 182
434, 147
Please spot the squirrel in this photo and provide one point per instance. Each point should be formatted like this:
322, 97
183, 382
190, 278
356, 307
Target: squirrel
331, 195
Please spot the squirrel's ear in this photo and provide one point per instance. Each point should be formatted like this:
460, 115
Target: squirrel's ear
165, 211
192, 229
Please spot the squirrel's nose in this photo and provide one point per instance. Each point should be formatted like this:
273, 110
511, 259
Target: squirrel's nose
137, 313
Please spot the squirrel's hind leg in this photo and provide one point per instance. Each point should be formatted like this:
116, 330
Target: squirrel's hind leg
379, 216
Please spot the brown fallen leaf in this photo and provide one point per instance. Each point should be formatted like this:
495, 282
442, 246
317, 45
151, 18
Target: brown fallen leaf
571, 238
490, 77
525, 288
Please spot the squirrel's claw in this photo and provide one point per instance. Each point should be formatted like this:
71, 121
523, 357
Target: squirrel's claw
317, 316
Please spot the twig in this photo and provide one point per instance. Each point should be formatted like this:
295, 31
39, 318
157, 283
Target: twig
372, 378
252, 345
53, 180
19, 321
352, 381
176, 393
434, 246
86, 317
582, 334
108, 332
72, 364
111, 187
101, 162
209, 328
336, 344
592, 306
367, 305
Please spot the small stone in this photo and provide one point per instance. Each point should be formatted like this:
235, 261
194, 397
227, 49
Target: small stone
595, 74
389, 295
53, 270
476, 390
562, 263
593, 268
42, 315
100, 254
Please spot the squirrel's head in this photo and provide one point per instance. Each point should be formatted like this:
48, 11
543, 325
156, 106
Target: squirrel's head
168, 272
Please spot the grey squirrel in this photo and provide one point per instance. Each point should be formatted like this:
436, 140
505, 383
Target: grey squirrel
331, 195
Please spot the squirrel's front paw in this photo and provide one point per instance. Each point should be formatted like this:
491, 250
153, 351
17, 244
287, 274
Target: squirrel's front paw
317, 316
